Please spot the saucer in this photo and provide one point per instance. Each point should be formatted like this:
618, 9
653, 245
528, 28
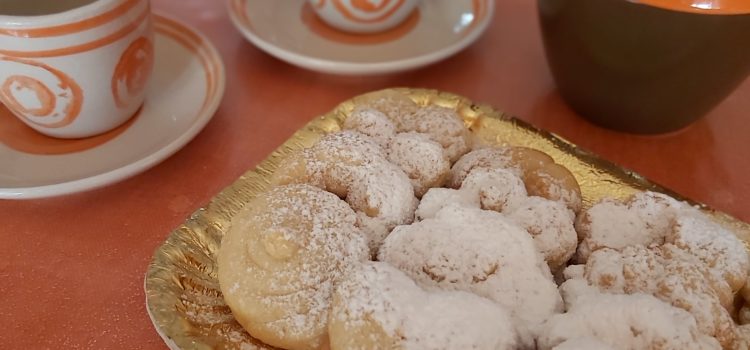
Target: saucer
185, 91
290, 31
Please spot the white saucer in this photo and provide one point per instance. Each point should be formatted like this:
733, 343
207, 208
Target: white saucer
290, 31
184, 93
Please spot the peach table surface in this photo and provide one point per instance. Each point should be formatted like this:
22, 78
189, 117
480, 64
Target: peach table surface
72, 268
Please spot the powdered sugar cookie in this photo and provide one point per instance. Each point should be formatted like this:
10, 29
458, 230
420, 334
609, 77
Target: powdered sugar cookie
541, 175
641, 220
498, 189
378, 307
550, 223
477, 251
714, 245
442, 125
611, 321
653, 219
372, 123
352, 166
672, 275
280, 259
396, 106
422, 159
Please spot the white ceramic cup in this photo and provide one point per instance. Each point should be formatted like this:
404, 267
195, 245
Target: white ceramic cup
363, 16
75, 68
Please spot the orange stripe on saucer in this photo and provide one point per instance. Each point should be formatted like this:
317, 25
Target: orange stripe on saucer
18, 136
194, 44
75, 27
239, 7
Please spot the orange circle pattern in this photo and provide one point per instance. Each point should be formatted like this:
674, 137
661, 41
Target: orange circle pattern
382, 10
70, 92
43, 94
133, 71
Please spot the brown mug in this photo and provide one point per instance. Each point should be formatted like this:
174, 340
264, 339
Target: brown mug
647, 66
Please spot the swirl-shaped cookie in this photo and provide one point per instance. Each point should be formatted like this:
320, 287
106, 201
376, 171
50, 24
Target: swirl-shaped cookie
481, 252
422, 159
609, 321
280, 259
541, 175
442, 125
549, 222
422, 141
372, 123
673, 276
378, 307
653, 219
352, 166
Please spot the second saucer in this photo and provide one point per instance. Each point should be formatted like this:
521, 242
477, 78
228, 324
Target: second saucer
292, 32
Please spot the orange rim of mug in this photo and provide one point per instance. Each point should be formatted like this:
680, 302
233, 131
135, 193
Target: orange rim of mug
70, 50
706, 7
75, 27
23, 139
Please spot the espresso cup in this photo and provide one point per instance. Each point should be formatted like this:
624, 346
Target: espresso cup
363, 16
74, 68
647, 66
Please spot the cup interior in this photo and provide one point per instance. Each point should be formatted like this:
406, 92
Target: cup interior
39, 7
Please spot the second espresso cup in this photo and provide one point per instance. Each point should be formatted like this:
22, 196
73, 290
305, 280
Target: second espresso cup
364, 16
75, 68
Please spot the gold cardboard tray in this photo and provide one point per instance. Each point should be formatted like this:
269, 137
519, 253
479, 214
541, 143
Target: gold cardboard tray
182, 290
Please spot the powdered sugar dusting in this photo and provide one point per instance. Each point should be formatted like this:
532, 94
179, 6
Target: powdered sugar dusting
642, 220
717, 247
442, 125
372, 123
378, 307
422, 159
280, 259
550, 223
352, 166
498, 189
541, 176
489, 158
637, 321
670, 274
652, 219
396, 106
477, 251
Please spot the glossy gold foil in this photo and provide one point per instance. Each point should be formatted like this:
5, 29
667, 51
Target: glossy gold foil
182, 291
